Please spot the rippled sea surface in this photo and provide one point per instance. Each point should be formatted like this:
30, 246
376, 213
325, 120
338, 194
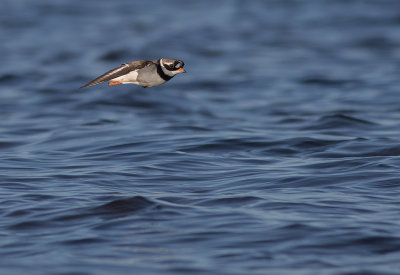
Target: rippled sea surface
277, 153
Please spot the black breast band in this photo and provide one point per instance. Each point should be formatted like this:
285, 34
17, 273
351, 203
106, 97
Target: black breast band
161, 73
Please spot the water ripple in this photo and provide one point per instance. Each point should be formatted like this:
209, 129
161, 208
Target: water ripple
277, 153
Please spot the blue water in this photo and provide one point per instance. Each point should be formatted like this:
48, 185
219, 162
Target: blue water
277, 153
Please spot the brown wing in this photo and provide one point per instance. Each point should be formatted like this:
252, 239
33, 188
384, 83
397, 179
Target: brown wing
121, 70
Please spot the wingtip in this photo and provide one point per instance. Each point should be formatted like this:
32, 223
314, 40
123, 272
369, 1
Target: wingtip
84, 86
88, 85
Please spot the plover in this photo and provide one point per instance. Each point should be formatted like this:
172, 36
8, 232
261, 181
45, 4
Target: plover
144, 73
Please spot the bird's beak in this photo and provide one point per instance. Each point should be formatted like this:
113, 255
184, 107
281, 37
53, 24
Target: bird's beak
182, 70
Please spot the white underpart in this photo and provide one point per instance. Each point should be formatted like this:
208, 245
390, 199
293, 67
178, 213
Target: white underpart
129, 78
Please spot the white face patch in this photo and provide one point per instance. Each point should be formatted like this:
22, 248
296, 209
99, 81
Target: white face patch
168, 72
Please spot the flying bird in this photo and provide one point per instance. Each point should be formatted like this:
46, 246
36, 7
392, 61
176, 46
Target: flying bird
144, 73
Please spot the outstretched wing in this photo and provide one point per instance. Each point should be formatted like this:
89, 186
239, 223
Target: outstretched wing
121, 70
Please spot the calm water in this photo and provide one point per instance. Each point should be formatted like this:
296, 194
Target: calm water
277, 153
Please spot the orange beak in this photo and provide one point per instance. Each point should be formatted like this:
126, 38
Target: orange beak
181, 70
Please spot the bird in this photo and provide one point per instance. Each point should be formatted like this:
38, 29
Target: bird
144, 73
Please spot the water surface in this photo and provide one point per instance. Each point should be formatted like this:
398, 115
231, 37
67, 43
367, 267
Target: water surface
277, 153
